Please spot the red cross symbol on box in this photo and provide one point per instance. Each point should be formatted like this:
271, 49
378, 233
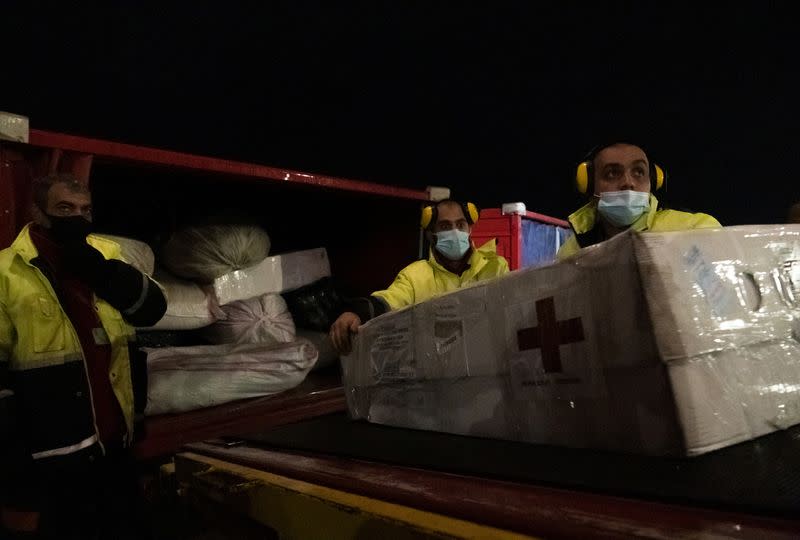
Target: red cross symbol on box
550, 334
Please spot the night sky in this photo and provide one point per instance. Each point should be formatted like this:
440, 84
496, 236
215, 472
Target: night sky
496, 100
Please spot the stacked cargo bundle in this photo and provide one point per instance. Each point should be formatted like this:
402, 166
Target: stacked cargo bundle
228, 333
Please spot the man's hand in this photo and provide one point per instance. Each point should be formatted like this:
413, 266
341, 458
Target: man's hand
86, 263
347, 323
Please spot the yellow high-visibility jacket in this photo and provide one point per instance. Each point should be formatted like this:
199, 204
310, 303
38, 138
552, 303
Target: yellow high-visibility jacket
422, 280
44, 356
585, 219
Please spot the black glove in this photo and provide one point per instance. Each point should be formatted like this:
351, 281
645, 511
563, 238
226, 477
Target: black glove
86, 263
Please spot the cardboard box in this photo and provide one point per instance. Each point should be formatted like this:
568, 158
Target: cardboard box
277, 274
655, 343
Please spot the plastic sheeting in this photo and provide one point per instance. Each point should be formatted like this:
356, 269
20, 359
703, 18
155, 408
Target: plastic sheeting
134, 252
264, 319
540, 242
189, 306
186, 378
322, 341
205, 252
275, 274
315, 306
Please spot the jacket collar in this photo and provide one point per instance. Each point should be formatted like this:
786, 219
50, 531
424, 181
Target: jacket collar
25, 248
477, 260
585, 218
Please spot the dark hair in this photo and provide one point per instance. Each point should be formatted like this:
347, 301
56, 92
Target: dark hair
449, 201
592, 154
41, 187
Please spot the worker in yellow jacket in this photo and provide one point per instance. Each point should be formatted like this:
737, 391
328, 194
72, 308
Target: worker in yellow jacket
67, 309
620, 178
453, 262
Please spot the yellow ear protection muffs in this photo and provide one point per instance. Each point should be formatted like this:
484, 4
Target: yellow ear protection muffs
430, 213
584, 175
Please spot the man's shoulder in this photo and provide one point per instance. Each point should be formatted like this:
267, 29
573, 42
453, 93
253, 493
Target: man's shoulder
418, 267
569, 247
21, 243
6, 258
494, 262
108, 247
669, 219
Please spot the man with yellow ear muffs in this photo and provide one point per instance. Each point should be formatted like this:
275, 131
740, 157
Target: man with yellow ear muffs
453, 262
620, 179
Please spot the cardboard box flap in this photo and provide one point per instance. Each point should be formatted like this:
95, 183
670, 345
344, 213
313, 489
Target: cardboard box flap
720, 289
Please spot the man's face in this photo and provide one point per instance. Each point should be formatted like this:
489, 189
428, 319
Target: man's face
621, 167
451, 216
64, 202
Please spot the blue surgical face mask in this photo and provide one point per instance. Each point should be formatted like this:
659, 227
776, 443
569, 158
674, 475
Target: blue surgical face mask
453, 244
621, 208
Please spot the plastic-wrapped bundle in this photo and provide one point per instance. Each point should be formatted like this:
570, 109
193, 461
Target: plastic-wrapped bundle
276, 274
323, 344
188, 305
205, 252
167, 338
186, 378
264, 319
315, 306
134, 252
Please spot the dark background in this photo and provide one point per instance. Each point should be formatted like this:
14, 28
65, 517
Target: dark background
497, 100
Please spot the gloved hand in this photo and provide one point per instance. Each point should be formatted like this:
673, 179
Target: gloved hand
86, 263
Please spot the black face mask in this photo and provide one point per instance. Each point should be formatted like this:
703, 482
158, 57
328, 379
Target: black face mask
70, 229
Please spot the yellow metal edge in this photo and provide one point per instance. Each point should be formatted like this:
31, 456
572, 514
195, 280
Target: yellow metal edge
429, 521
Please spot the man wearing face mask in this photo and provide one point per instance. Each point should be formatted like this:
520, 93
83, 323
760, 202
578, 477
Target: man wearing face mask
621, 179
453, 263
67, 306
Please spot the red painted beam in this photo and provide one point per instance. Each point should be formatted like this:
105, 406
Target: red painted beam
120, 152
547, 219
525, 508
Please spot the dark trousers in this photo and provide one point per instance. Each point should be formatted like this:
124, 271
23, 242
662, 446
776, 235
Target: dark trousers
93, 500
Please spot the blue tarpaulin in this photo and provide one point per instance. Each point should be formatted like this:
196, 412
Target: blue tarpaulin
540, 242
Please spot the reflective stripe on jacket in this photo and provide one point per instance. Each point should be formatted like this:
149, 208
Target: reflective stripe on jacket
585, 220
422, 280
44, 354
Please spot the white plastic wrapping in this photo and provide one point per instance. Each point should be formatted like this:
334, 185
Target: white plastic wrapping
134, 252
657, 343
263, 319
14, 127
322, 342
204, 252
275, 274
189, 306
186, 378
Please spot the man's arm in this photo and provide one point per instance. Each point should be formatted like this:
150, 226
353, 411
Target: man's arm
358, 311
399, 294
135, 295
704, 221
138, 298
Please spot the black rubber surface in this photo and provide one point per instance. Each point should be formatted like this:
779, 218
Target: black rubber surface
760, 476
